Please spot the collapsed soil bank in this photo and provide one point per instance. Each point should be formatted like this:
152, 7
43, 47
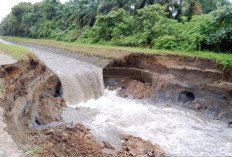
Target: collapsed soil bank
32, 99
168, 78
25, 85
197, 83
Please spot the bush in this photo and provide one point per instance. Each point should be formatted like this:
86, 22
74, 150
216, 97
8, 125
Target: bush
148, 18
166, 42
112, 26
136, 40
121, 28
44, 29
221, 38
196, 32
151, 26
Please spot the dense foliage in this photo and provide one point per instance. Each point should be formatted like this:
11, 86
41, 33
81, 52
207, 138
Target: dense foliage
161, 24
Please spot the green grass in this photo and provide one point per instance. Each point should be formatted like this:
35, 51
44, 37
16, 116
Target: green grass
32, 151
15, 52
114, 52
1, 92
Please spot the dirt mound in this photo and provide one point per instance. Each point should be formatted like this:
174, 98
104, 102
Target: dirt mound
76, 140
135, 146
136, 88
66, 141
50, 108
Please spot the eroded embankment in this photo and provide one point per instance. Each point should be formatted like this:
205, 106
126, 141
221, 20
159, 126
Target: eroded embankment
26, 85
197, 83
32, 99
7, 145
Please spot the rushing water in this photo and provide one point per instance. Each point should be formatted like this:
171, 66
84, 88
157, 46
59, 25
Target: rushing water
80, 81
180, 132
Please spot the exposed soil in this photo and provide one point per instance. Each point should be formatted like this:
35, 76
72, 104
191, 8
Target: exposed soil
7, 145
130, 87
196, 83
50, 108
136, 146
31, 100
24, 83
76, 140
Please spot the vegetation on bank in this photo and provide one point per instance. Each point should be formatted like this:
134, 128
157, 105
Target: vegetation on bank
186, 25
114, 52
15, 52
33, 151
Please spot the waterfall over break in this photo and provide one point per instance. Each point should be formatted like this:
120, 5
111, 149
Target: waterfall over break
179, 131
80, 81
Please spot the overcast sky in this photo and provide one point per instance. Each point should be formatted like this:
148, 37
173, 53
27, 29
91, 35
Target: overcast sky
6, 5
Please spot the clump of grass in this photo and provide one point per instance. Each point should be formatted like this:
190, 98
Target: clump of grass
114, 52
15, 52
33, 151
2, 89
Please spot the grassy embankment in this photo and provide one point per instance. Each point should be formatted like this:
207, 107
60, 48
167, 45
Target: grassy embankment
114, 52
15, 52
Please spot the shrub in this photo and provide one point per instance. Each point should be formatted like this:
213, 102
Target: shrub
196, 32
113, 25
166, 42
221, 39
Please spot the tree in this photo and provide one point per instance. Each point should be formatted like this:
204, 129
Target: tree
175, 8
211, 5
221, 38
8, 25
190, 8
108, 5
19, 11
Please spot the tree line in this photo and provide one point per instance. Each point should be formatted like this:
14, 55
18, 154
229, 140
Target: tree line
162, 24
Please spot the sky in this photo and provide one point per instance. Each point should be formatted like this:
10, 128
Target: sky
6, 5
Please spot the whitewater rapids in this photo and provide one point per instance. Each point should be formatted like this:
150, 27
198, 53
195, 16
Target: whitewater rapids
179, 131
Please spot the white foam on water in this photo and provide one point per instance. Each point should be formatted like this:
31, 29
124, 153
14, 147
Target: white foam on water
80, 81
180, 132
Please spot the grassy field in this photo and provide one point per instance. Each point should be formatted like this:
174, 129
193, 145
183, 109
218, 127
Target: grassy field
15, 52
114, 52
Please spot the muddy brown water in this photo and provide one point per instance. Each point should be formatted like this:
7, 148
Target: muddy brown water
179, 131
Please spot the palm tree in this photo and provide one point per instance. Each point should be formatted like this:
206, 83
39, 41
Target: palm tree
175, 8
108, 5
190, 8
83, 12
142, 3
